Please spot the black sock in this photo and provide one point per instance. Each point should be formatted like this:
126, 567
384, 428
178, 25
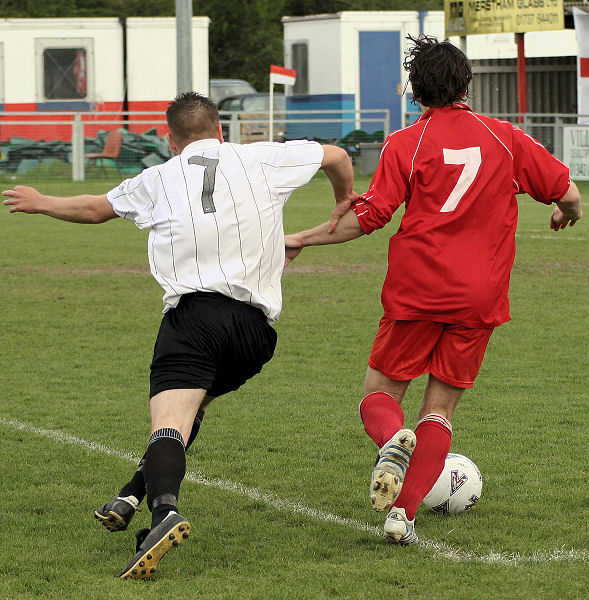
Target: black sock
136, 487
164, 469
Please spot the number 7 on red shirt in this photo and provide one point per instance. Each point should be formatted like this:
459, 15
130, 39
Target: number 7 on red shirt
471, 159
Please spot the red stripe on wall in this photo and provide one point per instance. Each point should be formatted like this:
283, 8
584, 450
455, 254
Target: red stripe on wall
92, 121
584, 67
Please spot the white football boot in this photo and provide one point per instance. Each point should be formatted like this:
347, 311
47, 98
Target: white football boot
389, 472
398, 529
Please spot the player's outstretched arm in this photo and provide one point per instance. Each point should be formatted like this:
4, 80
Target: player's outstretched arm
77, 209
348, 229
338, 168
568, 209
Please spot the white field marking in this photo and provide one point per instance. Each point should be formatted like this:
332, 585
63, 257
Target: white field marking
555, 236
445, 550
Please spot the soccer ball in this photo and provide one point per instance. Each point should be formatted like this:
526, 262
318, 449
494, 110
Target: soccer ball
458, 487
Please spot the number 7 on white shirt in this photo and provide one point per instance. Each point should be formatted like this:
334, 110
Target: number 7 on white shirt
471, 159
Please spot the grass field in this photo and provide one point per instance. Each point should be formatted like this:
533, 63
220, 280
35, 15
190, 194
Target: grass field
277, 484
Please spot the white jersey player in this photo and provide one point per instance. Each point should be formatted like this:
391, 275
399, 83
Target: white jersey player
216, 246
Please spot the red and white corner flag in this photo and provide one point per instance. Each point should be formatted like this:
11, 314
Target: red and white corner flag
581, 19
282, 75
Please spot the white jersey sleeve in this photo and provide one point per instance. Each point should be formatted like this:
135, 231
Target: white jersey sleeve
133, 199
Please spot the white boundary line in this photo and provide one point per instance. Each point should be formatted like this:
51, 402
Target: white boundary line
542, 236
445, 550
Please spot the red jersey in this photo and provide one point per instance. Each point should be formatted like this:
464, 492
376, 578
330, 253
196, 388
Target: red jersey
457, 173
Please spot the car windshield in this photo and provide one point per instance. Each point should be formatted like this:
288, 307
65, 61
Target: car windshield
262, 103
222, 90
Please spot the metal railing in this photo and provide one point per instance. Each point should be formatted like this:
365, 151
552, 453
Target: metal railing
28, 140
327, 125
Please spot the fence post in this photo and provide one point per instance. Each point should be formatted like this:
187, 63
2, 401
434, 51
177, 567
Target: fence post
78, 148
234, 129
558, 149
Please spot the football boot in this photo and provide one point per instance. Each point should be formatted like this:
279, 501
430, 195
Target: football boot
398, 529
152, 545
389, 471
117, 514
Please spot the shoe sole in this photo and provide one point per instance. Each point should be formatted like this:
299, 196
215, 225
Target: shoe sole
387, 479
112, 521
145, 565
397, 540
384, 489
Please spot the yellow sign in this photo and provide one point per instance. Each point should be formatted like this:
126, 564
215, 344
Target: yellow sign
466, 17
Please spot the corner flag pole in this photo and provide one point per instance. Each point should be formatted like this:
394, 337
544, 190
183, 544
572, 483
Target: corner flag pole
277, 75
271, 111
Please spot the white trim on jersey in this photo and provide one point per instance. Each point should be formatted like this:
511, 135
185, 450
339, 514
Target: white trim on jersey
215, 213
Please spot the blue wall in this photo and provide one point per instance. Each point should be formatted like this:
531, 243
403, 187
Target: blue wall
380, 75
322, 131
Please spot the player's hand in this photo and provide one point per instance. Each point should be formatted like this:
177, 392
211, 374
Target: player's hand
341, 208
558, 220
293, 248
23, 199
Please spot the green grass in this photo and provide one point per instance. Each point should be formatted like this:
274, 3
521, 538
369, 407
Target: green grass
274, 460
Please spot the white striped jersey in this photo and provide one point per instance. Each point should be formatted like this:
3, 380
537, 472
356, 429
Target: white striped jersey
215, 213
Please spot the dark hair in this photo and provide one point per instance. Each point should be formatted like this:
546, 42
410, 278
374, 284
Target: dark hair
439, 72
191, 116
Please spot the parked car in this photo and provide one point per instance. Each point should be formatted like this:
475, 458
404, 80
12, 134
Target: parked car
253, 108
222, 88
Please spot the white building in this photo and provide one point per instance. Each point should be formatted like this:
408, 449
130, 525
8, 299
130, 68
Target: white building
102, 64
354, 60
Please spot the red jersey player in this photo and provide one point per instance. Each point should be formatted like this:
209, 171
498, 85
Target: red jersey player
458, 174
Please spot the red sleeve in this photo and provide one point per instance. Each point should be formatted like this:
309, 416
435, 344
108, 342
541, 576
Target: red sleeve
536, 171
388, 189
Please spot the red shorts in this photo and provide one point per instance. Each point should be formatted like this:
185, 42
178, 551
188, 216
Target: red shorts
453, 354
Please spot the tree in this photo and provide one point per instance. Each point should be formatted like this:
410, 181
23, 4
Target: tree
14, 9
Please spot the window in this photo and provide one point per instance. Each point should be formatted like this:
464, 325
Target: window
300, 62
65, 72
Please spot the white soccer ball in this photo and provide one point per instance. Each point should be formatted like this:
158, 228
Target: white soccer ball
458, 487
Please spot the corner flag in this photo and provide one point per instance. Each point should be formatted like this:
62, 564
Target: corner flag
282, 75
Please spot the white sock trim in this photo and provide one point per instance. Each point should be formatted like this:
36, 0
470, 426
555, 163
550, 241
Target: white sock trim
435, 418
129, 500
166, 432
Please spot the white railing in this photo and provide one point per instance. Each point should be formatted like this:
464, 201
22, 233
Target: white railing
328, 126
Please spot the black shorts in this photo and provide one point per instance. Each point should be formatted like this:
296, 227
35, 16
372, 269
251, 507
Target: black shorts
212, 342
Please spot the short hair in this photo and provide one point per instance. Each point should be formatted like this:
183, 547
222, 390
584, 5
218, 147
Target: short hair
191, 116
439, 72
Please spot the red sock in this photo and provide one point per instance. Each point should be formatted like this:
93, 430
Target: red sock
434, 436
382, 416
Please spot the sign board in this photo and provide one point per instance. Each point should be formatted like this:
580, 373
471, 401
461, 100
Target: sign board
575, 150
467, 17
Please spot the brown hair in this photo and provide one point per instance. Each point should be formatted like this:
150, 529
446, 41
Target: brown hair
439, 72
191, 116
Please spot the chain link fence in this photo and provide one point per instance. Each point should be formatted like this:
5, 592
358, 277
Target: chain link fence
95, 145
80, 146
